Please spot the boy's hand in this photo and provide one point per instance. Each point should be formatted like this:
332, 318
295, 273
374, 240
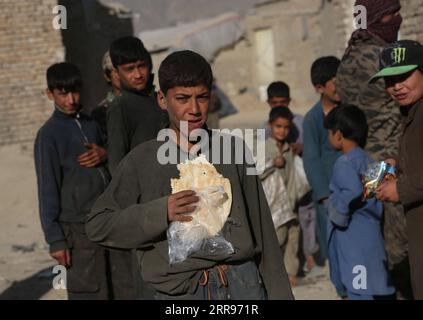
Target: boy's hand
181, 203
279, 162
93, 156
391, 162
63, 257
388, 191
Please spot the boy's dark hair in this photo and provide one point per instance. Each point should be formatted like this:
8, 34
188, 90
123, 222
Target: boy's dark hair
278, 89
324, 69
351, 121
64, 76
184, 69
280, 112
129, 50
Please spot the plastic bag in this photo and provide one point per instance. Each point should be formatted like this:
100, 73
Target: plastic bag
203, 233
375, 175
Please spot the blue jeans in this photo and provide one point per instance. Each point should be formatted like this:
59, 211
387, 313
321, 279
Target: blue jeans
229, 282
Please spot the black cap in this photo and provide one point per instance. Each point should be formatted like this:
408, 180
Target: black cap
399, 58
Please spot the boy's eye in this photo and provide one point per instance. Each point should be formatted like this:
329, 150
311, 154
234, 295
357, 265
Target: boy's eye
128, 69
203, 99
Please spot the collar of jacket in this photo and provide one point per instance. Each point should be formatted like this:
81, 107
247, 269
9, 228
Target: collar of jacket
206, 145
59, 113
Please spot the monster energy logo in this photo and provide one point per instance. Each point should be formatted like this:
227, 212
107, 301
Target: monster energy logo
399, 54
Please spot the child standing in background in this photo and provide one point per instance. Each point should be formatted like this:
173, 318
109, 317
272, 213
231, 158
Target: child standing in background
280, 182
357, 257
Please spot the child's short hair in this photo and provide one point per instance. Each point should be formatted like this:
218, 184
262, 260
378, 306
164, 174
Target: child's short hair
129, 50
278, 89
184, 69
351, 121
280, 112
324, 69
64, 76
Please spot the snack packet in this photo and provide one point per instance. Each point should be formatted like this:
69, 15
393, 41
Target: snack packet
376, 174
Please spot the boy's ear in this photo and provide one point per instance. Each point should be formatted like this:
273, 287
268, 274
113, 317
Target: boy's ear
319, 88
49, 94
161, 100
338, 135
114, 73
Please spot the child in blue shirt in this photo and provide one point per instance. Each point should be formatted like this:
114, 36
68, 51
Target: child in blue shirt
357, 257
318, 156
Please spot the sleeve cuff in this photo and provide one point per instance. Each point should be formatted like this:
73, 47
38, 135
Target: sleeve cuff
58, 246
337, 218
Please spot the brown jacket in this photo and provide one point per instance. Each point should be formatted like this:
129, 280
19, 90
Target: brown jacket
410, 191
410, 181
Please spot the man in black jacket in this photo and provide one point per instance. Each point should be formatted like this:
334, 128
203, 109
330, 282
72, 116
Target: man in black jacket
135, 116
71, 175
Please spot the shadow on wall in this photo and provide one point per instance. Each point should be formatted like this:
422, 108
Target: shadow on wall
91, 27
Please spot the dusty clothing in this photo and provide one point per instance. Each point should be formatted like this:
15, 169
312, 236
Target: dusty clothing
132, 214
410, 190
132, 119
275, 186
289, 239
358, 65
279, 188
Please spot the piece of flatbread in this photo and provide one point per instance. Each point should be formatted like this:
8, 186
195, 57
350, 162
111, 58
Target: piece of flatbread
201, 176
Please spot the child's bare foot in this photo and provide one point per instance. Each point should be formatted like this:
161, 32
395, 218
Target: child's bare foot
310, 262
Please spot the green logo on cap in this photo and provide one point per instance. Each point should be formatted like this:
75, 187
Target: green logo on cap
399, 54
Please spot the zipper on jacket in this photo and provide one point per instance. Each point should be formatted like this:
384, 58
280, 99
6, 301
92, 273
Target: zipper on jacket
84, 137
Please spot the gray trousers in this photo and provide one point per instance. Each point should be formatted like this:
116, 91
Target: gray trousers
87, 277
99, 273
307, 219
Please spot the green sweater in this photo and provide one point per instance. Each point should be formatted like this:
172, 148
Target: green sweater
132, 214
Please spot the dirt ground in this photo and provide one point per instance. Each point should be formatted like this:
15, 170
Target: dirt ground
25, 265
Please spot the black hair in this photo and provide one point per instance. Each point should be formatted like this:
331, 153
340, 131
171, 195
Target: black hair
184, 69
351, 121
129, 50
280, 112
64, 76
324, 69
278, 89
